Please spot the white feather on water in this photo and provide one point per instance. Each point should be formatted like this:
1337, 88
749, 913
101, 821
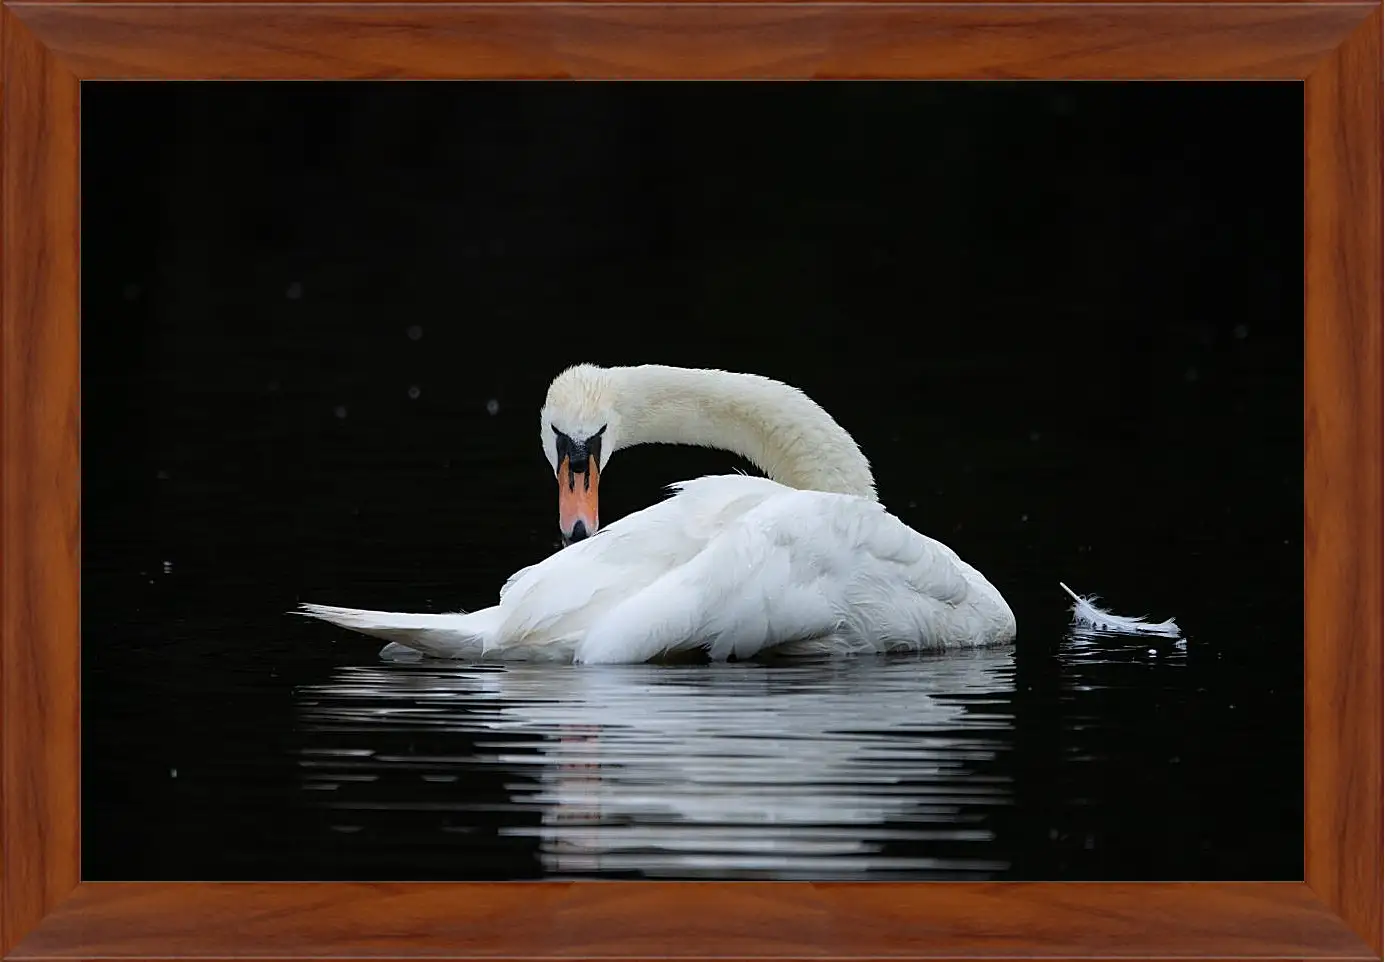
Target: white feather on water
1086, 614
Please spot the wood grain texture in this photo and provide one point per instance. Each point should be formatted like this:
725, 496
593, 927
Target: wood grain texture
692, 920
689, 3
642, 40
39, 484
1342, 479
46, 46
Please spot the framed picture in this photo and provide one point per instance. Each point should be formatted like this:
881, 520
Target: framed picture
275, 348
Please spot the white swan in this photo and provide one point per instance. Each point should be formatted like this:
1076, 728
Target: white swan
804, 561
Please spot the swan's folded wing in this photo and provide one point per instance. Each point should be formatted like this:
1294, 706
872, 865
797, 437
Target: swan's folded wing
948, 601
563, 594
799, 566
887, 583
513, 579
929, 566
859, 540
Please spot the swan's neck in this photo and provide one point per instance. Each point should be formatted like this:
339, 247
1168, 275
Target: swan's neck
777, 428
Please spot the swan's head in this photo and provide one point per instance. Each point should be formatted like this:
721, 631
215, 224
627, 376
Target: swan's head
579, 428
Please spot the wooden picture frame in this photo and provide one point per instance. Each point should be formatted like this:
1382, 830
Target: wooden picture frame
46, 912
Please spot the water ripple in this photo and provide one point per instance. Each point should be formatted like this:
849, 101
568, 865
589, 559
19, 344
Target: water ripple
822, 770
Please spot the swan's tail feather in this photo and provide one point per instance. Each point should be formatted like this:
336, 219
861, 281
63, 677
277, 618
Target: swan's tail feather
457, 635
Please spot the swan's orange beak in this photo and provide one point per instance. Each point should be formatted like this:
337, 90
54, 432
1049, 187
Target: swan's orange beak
577, 518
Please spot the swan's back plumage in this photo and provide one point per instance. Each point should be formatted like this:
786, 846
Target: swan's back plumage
740, 565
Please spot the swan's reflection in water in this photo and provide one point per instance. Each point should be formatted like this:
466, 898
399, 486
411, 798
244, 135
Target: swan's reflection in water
825, 770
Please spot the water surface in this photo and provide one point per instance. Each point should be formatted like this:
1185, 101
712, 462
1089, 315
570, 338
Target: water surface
809, 771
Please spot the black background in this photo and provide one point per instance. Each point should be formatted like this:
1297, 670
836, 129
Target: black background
1063, 320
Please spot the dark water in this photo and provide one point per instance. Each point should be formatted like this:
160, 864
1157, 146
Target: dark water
1060, 757
1064, 322
867, 769
808, 772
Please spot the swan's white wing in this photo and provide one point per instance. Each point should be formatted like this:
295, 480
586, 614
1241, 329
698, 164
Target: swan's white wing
513, 579
910, 590
556, 600
801, 566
